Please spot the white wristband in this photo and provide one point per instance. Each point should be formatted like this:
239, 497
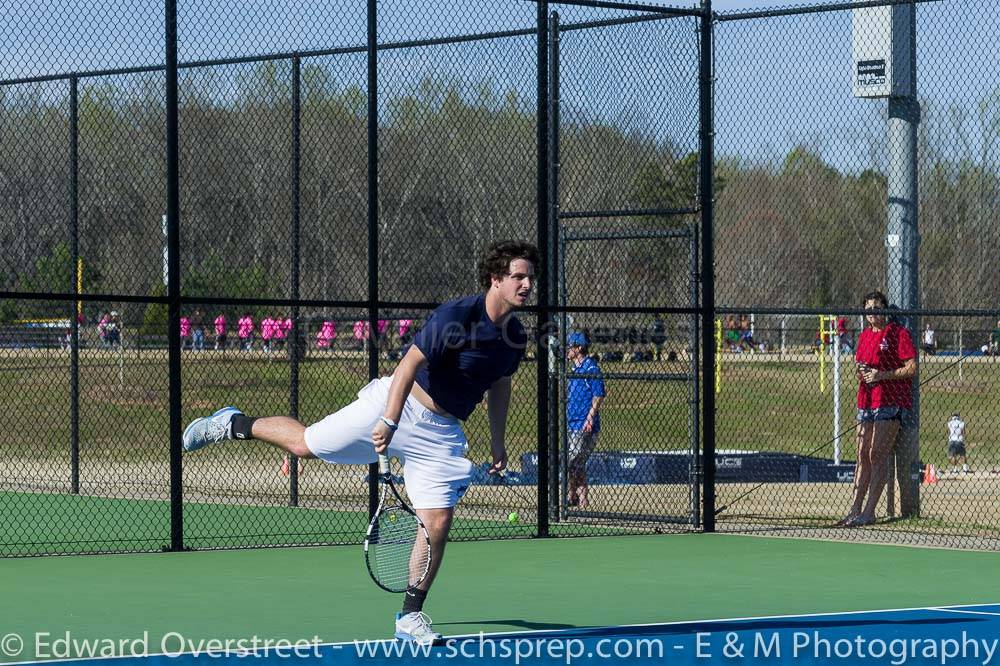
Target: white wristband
392, 425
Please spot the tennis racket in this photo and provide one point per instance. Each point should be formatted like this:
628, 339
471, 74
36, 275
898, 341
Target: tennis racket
397, 547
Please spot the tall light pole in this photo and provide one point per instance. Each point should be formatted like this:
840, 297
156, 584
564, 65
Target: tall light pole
885, 66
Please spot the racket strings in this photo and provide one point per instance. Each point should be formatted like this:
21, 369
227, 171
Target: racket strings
397, 550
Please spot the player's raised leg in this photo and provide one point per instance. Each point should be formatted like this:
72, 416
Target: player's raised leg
230, 423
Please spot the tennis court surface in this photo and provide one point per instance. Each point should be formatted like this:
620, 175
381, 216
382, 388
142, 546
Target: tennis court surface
667, 599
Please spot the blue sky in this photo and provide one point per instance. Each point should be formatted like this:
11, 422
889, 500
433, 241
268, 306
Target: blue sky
781, 82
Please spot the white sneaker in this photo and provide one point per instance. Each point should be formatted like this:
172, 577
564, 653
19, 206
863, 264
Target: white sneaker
210, 429
416, 627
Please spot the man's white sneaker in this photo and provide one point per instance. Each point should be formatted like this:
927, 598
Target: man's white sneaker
415, 627
210, 429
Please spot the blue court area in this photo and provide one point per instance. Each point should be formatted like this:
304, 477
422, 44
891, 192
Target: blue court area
946, 635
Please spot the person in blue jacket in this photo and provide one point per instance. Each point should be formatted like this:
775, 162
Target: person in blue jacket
585, 394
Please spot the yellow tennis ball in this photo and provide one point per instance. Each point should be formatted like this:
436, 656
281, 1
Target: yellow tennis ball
512, 517
392, 517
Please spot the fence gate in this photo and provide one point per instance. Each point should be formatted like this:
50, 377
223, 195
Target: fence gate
627, 261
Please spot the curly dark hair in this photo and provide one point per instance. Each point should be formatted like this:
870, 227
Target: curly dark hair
495, 261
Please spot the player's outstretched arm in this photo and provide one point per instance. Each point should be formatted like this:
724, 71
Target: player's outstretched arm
497, 404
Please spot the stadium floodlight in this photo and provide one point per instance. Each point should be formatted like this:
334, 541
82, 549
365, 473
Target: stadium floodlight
881, 49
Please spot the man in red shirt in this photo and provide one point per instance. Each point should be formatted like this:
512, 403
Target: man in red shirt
887, 363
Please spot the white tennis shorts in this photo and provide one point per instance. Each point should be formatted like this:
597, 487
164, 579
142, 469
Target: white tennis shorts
431, 447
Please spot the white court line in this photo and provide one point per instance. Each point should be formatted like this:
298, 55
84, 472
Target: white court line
967, 612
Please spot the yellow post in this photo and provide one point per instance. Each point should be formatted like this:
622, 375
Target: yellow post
79, 285
718, 355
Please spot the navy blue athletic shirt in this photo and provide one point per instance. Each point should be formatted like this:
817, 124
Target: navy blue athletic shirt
466, 353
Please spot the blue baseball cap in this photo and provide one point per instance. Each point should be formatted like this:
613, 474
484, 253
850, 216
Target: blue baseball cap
577, 339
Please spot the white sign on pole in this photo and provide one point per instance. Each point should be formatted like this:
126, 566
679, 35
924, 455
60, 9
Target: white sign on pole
881, 49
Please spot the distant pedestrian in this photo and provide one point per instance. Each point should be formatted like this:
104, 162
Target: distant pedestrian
956, 443
220, 332
244, 329
930, 343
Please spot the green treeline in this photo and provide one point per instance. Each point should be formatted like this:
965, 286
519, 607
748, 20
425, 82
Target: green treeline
457, 169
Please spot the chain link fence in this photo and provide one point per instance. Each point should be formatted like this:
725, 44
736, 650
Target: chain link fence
827, 193
338, 171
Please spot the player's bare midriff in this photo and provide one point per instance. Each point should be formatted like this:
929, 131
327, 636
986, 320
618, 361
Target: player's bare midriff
428, 402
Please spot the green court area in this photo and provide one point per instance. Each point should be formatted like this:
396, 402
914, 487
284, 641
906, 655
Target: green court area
509, 585
48, 522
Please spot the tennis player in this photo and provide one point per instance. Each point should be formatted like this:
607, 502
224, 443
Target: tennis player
887, 363
468, 347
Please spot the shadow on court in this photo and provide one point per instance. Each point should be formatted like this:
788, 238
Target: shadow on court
521, 624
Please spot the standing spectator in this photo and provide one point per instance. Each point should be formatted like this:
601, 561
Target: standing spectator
746, 334
326, 334
285, 326
930, 344
102, 328
405, 325
245, 331
220, 332
198, 330
732, 334
361, 333
844, 333
659, 336
887, 362
278, 332
383, 334
113, 330
956, 443
995, 340
583, 418
185, 333
267, 332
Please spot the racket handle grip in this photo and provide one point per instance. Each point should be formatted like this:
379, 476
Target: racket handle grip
383, 464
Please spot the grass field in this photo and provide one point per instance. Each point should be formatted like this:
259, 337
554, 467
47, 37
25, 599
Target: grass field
764, 404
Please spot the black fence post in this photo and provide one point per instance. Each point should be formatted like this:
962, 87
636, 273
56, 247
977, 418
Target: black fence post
173, 279
74, 325
706, 193
551, 272
695, 415
293, 397
544, 312
373, 262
